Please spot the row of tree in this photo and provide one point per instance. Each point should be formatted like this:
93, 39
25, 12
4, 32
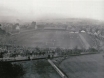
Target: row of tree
25, 52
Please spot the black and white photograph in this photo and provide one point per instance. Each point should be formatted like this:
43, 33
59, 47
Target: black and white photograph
51, 38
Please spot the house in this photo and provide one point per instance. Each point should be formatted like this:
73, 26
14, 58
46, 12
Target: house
17, 27
83, 31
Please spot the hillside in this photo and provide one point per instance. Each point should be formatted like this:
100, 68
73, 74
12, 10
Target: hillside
2, 32
4, 37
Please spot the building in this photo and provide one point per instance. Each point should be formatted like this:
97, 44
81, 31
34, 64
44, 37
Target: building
17, 27
83, 31
33, 25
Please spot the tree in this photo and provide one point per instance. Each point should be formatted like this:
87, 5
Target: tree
99, 44
13, 55
1, 55
9, 70
42, 67
0, 25
33, 24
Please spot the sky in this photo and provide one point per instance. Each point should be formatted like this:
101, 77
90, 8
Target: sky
35, 9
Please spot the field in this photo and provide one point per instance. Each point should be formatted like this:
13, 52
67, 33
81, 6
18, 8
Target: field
39, 69
86, 66
50, 39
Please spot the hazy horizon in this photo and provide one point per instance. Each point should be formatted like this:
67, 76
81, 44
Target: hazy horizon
37, 9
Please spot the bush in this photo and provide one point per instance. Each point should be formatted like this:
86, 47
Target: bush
42, 67
93, 50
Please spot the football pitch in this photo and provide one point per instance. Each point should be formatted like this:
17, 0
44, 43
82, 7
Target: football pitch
50, 39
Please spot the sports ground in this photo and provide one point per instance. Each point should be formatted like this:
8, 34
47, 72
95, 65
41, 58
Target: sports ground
86, 66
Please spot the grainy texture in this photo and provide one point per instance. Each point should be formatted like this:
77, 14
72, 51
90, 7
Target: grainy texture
87, 66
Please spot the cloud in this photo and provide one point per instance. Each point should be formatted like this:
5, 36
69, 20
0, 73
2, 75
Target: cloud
5, 11
65, 8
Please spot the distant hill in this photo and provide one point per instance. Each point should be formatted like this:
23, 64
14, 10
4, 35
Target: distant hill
71, 22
